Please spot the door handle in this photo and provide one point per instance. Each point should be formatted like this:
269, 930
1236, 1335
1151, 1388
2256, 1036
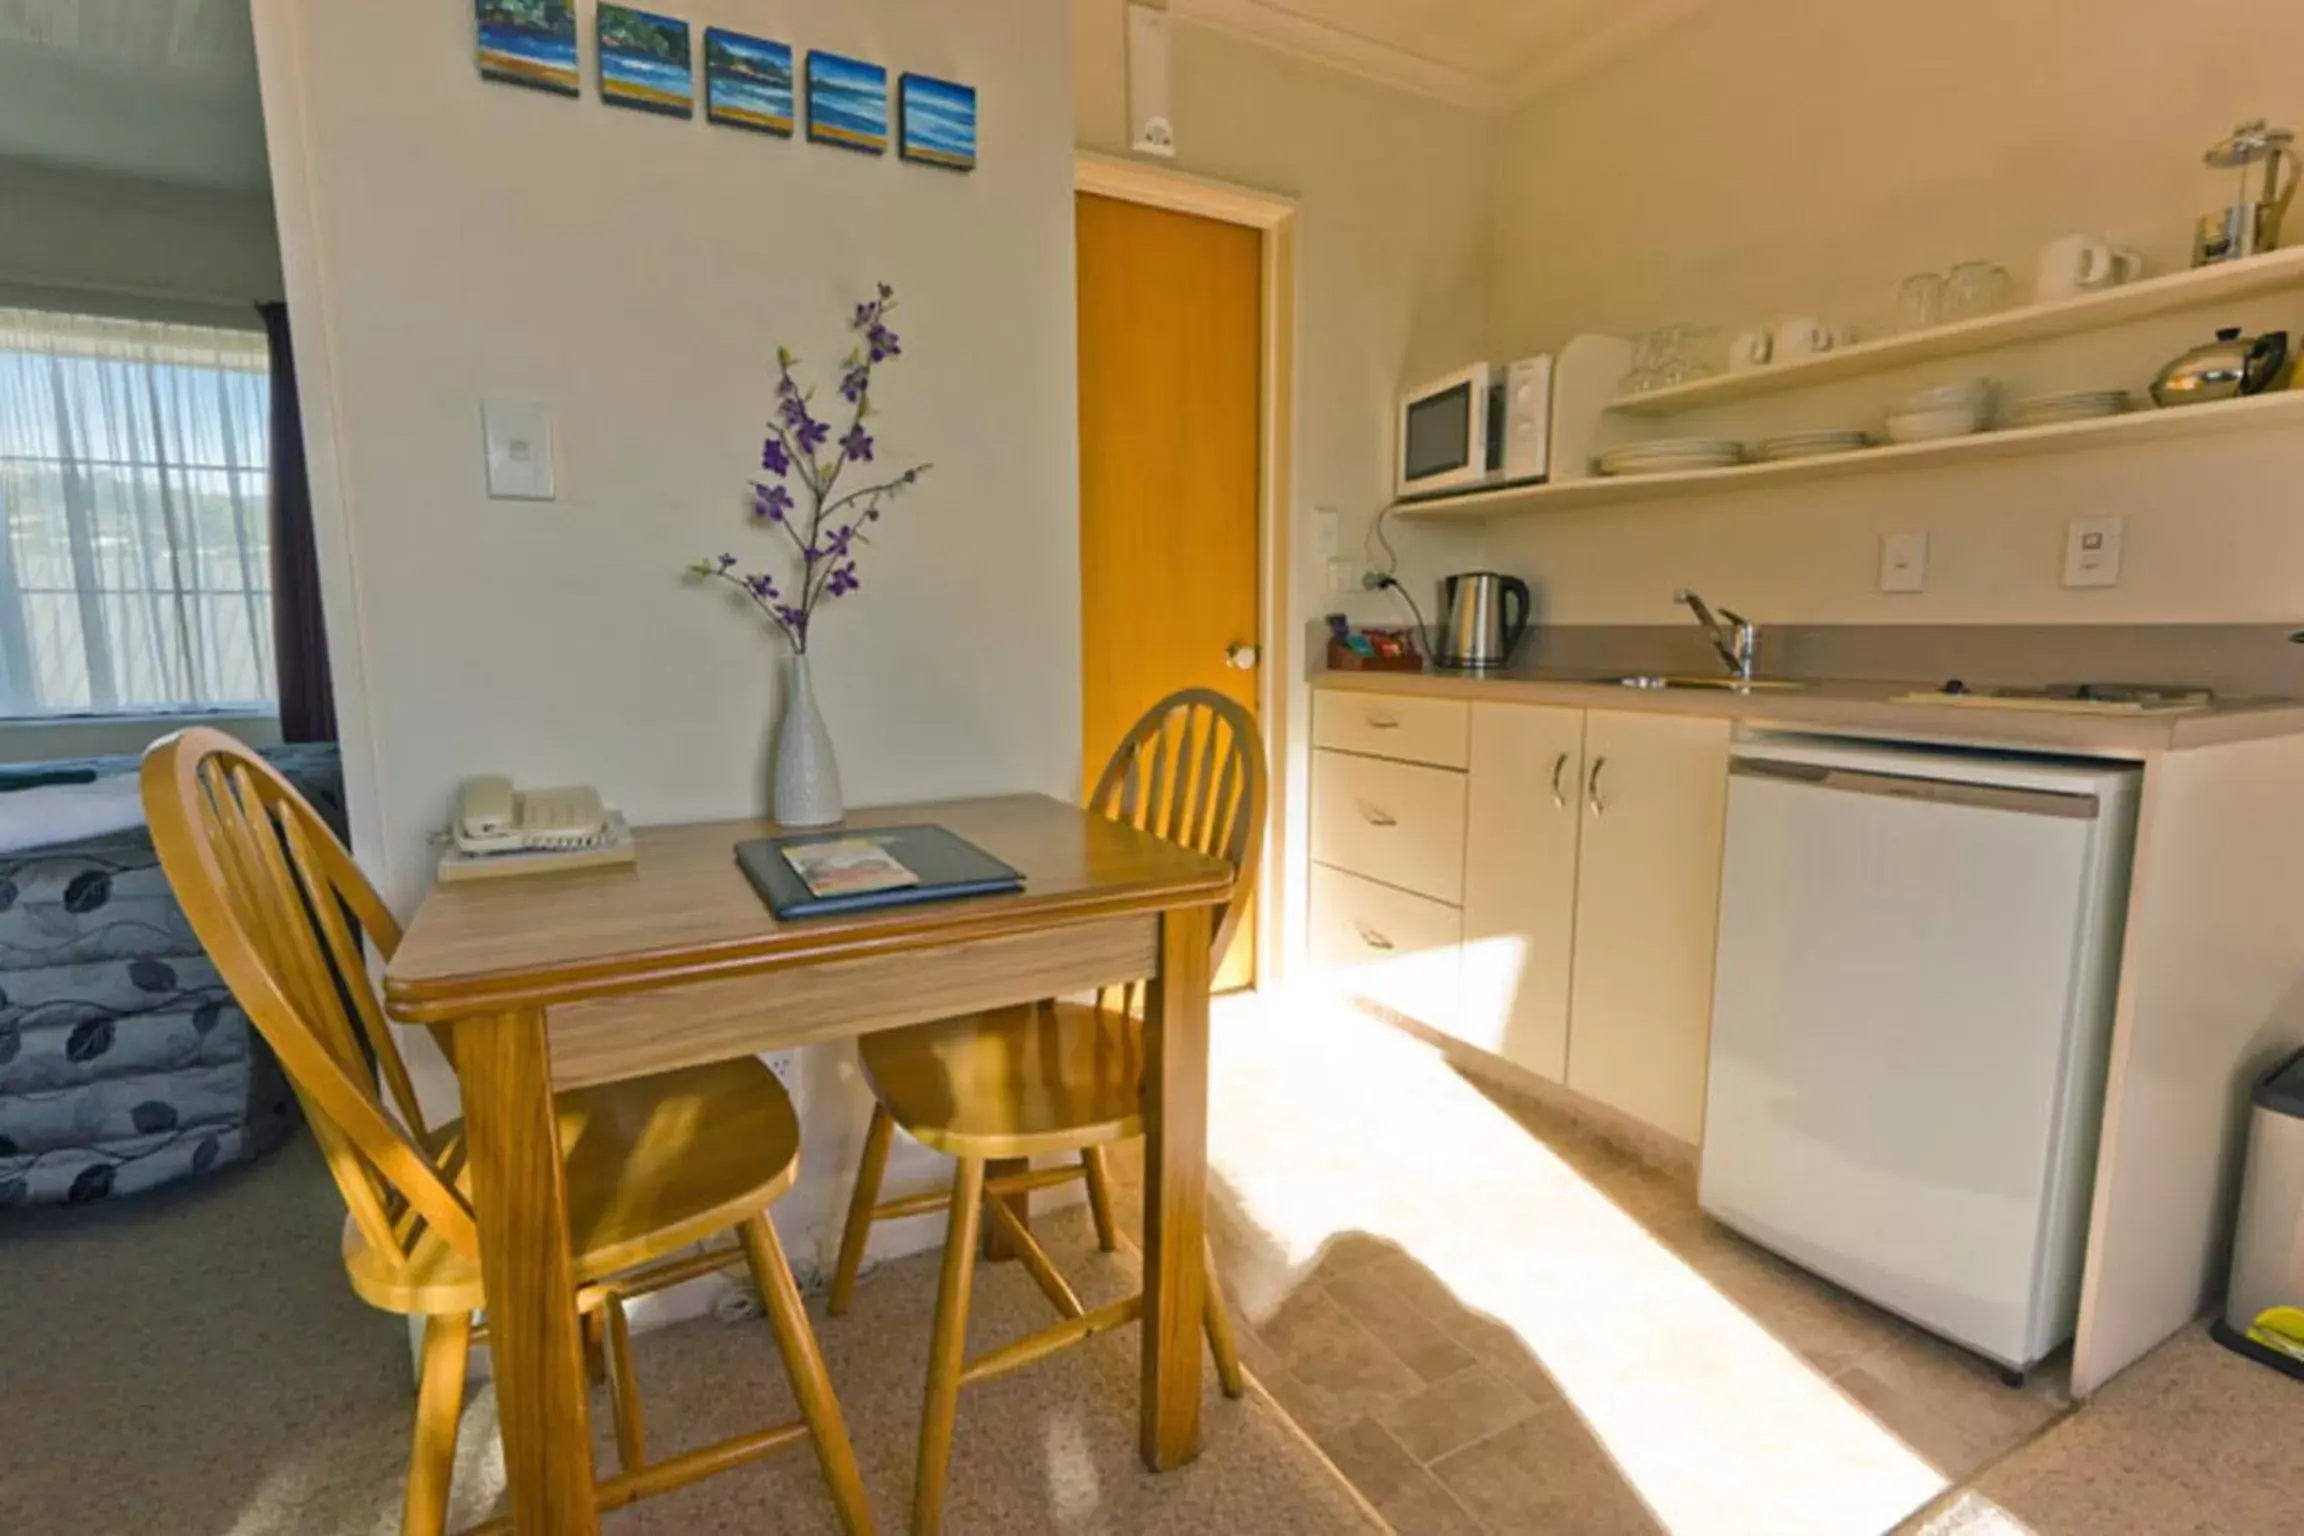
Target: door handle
1372, 938
1382, 723
1592, 788
1559, 767
1241, 658
1375, 817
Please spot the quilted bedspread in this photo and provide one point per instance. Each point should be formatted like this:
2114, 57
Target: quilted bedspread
124, 1062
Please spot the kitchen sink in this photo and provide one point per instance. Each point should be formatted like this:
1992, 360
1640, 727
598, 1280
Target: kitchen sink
1653, 680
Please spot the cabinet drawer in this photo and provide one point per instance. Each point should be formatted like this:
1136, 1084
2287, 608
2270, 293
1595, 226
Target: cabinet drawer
1387, 946
1395, 822
1413, 730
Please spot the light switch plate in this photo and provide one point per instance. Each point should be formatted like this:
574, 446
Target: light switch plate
2092, 551
518, 435
1904, 562
1327, 534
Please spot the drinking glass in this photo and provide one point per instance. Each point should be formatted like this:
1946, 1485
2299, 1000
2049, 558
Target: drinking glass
1920, 302
1975, 288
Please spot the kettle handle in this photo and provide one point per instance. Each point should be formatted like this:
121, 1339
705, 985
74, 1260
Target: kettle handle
1516, 604
2266, 358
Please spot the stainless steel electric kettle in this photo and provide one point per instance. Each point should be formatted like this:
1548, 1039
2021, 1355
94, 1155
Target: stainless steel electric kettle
1487, 615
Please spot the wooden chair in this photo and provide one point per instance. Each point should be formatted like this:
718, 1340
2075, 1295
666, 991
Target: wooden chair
653, 1166
1052, 1077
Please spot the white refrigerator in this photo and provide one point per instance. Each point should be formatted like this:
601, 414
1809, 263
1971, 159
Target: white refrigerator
1919, 950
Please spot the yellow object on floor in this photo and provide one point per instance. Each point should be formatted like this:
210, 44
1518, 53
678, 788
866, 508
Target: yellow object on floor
2280, 1328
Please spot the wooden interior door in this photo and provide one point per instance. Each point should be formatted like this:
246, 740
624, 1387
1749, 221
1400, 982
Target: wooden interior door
1171, 335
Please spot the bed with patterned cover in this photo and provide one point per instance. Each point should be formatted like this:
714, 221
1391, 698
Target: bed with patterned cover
124, 1063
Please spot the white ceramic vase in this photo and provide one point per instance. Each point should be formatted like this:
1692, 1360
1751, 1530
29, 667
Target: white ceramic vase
807, 790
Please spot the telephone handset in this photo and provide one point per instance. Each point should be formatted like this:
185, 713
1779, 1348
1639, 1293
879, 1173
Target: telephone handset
493, 817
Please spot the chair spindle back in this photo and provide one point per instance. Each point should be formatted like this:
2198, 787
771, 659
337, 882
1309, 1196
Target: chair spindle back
281, 909
1192, 771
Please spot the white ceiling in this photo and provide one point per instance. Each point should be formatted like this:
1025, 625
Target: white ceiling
1480, 53
164, 89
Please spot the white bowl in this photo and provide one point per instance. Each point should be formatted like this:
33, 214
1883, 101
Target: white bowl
1933, 426
1974, 393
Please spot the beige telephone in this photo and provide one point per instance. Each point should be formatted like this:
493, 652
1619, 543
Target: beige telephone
493, 817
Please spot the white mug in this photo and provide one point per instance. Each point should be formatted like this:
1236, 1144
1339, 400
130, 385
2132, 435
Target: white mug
1751, 350
1801, 337
2079, 264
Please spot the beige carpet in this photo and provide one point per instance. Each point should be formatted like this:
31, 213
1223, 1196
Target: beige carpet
195, 1365
2190, 1441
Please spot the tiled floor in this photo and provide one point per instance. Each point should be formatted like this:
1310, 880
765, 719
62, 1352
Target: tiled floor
1448, 1420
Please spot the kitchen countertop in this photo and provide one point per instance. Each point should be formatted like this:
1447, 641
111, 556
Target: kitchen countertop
1864, 709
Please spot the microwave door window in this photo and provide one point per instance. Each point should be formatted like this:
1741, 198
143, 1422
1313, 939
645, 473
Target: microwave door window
1439, 433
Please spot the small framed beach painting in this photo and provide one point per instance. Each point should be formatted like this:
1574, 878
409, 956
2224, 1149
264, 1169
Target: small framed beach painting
529, 42
936, 122
847, 103
644, 61
747, 81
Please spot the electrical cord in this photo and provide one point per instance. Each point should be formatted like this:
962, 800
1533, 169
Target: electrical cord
1393, 583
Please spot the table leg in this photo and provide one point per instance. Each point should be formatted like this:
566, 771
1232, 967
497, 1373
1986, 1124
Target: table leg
521, 1206
997, 1247
1175, 1190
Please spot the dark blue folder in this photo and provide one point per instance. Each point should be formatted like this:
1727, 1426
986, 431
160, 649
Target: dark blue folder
949, 867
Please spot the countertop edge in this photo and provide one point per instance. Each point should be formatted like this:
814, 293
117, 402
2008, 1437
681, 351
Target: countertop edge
1865, 709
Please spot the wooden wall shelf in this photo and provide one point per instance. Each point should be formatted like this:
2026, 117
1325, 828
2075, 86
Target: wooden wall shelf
2260, 413
2152, 296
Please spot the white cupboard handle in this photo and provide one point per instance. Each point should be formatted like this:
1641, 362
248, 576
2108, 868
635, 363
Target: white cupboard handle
1592, 788
1375, 817
1372, 938
1559, 767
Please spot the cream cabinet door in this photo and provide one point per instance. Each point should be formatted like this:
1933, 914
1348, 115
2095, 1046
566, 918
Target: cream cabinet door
1524, 809
1655, 807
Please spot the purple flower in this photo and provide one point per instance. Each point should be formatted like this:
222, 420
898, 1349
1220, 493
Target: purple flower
839, 540
773, 458
793, 409
857, 445
854, 382
772, 502
843, 580
810, 433
882, 341
727, 561
761, 586
865, 315
795, 618
886, 293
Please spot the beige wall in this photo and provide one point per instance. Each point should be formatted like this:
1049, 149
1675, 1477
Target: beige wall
122, 244
448, 239
1391, 276
1803, 156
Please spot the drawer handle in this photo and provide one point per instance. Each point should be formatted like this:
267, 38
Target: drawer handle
1375, 817
1559, 767
1373, 939
1382, 723
1592, 788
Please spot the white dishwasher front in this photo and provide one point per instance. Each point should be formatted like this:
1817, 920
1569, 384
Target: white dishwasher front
1918, 956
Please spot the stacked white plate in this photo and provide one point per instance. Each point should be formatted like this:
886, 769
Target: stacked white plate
2079, 405
1670, 455
1809, 445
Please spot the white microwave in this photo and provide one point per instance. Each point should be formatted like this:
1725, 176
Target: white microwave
1489, 424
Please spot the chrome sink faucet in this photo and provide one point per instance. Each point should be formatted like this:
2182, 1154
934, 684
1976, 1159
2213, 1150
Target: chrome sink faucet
1738, 647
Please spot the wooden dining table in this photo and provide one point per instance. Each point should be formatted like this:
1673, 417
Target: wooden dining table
547, 982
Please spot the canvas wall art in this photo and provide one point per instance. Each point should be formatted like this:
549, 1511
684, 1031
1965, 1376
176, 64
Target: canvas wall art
747, 81
529, 42
847, 103
644, 61
936, 122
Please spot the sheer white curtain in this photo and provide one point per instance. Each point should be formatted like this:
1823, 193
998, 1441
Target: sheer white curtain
134, 466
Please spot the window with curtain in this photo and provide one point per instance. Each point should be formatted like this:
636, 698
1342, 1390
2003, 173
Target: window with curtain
135, 574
